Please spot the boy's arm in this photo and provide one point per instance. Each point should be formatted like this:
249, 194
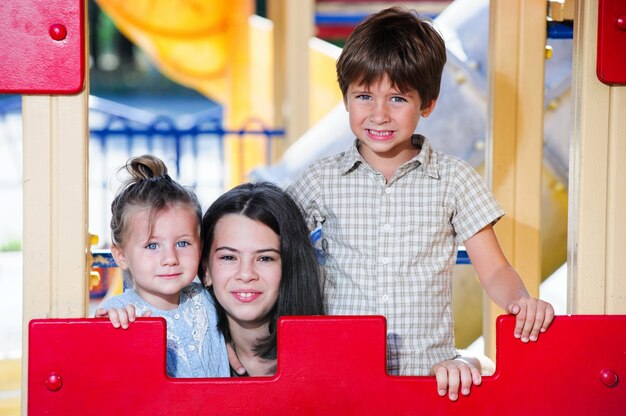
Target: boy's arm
505, 287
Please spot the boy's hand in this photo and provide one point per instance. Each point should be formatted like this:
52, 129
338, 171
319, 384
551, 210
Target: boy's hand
452, 374
532, 317
120, 317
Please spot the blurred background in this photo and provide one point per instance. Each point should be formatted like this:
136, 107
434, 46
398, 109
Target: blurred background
199, 84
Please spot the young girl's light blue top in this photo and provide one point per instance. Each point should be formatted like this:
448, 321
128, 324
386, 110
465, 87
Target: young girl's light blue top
195, 347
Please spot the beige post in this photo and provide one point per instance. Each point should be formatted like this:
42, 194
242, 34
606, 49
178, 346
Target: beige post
293, 27
514, 157
597, 180
56, 158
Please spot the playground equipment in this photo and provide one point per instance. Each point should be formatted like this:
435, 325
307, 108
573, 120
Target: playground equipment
326, 366
55, 237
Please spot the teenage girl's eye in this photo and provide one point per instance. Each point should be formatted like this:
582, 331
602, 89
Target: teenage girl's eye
226, 257
266, 259
151, 246
182, 244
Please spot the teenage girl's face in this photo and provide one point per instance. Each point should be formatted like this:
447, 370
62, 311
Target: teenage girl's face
164, 262
245, 269
384, 119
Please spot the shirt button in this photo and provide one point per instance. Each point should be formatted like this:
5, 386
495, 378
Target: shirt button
385, 297
192, 348
387, 190
177, 316
387, 227
384, 260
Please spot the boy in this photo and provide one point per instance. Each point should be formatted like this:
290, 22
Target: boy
393, 210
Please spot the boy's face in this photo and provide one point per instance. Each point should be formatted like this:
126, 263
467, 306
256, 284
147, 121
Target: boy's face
384, 119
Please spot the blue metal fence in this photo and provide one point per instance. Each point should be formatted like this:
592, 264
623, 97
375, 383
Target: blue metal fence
193, 146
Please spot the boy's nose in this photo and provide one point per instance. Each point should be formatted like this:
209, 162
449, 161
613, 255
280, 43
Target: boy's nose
380, 113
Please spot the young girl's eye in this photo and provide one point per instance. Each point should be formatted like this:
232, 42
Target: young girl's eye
227, 257
151, 246
182, 244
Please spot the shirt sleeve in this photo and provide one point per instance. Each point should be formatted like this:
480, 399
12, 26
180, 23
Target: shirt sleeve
475, 205
305, 190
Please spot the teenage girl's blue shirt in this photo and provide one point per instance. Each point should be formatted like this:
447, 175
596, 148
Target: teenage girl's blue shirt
195, 347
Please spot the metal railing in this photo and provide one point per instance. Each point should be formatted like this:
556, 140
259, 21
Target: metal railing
196, 147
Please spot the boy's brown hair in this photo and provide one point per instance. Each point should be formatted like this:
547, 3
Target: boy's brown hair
397, 43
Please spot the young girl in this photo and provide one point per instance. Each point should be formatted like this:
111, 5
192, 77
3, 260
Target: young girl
259, 264
155, 236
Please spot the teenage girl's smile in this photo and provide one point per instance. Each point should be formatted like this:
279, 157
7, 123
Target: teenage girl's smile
246, 296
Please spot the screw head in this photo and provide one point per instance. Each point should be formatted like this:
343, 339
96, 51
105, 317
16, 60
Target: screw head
608, 377
54, 382
57, 31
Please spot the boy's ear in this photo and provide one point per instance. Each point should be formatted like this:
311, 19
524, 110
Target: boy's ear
345, 102
120, 260
425, 112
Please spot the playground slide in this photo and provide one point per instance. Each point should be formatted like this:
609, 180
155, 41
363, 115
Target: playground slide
192, 42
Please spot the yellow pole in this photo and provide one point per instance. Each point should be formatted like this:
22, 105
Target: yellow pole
514, 157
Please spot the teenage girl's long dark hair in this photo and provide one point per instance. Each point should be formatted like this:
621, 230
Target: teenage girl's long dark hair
300, 284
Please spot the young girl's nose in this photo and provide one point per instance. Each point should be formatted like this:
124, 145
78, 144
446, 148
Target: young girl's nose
169, 257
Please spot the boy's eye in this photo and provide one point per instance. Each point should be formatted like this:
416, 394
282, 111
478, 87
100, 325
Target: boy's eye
182, 244
151, 246
397, 99
363, 97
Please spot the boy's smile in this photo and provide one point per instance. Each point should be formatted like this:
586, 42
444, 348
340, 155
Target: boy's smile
383, 119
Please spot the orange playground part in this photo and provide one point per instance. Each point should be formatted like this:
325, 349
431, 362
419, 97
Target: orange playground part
326, 366
192, 42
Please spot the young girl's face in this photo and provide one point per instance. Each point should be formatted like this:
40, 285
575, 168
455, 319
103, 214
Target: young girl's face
164, 261
245, 269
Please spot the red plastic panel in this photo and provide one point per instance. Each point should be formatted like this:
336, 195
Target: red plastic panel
611, 65
326, 366
42, 46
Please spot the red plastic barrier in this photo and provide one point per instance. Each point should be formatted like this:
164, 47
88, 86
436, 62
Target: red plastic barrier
326, 366
43, 46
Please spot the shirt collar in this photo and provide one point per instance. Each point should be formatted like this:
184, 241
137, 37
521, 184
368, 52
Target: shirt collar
427, 160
